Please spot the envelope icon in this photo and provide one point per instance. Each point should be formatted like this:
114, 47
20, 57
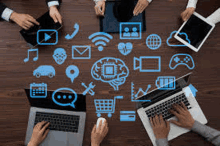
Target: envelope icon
81, 52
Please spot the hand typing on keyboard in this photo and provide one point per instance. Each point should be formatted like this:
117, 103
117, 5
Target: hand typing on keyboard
40, 132
160, 127
184, 117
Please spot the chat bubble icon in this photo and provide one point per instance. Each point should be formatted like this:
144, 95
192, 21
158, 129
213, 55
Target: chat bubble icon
65, 98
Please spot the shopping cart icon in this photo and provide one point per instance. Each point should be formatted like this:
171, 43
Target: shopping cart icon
106, 106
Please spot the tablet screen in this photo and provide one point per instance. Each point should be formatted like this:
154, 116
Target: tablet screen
196, 29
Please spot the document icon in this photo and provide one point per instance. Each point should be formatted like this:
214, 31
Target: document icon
81, 52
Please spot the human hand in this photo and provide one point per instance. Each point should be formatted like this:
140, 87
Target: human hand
100, 8
98, 134
24, 20
187, 13
55, 15
160, 127
184, 117
40, 132
140, 7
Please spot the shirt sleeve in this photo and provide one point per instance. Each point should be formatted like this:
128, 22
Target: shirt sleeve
96, 1
6, 14
162, 142
192, 3
212, 135
214, 17
53, 3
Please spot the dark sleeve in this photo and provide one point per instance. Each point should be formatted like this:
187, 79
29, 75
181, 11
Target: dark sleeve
2, 8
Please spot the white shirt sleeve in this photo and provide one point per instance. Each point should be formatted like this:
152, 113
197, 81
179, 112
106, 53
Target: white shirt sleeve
7, 14
53, 3
214, 17
192, 3
96, 1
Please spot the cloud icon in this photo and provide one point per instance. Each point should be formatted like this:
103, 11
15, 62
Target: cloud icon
177, 45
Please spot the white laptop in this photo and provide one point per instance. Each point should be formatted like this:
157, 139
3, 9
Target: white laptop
194, 32
163, 99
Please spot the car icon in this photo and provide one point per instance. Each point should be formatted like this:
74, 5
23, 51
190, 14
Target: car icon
44, 70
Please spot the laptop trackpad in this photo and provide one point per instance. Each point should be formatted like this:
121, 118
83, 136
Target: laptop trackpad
55, 138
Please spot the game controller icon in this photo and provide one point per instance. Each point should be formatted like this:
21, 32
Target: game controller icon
181, 59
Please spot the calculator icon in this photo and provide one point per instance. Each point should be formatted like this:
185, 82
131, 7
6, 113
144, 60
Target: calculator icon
38, 90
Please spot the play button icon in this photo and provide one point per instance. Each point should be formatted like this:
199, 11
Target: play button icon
47, 37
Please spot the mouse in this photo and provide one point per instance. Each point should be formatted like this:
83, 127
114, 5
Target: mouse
99, 120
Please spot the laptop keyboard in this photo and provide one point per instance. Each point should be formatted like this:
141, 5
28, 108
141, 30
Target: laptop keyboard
59, 122
165, 106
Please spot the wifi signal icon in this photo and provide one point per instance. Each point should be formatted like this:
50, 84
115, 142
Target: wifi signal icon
100, 39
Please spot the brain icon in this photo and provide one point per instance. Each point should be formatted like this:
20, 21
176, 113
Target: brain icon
110, 70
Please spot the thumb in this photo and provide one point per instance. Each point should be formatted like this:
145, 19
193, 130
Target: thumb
175, 122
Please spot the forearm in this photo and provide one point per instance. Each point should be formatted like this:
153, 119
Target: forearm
5, 12
162, 142
207, 132
214, 17
192, 3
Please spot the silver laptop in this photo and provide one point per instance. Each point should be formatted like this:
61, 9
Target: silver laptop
161, 101
66, 123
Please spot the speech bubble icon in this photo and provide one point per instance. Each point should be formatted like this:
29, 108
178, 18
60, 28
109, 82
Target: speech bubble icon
64, 98
72, 72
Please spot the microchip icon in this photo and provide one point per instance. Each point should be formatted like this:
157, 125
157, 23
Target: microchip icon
109, 70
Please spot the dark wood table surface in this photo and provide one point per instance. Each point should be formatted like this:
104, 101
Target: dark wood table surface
163, 17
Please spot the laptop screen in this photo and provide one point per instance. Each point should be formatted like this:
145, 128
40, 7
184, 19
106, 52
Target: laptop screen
155, 94
80, 104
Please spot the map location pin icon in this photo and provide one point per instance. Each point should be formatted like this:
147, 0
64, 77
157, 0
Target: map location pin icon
72, 72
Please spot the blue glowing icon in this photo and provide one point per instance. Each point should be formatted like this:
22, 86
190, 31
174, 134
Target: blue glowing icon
72, 72
81, 52
153, 41
38, 90
177, 45
106, 106
166, 83
59, 55
128, 116
130, 30
145, 63
44, 35
68, 37
182, 59
110, 70
140, 93
44, 70
190, 90
35, 58
125, 49
89, 89
100, 38
66, 98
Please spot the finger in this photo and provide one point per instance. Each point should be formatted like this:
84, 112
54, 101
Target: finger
140, 9
103, 8
46, 133
156, 120
96, 12
143, 8
178, 108
41, 124
24, 26
183, 15
54, 18
174, 113
59, 17
100, 126
94, 129
45, 127
161, 119
183, 105
175, 122
136, 8
103, 127
31, 19
28, 24
152, 122
168, 125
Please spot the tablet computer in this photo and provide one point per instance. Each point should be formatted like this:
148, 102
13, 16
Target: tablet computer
197, 29
46, 23
120, 11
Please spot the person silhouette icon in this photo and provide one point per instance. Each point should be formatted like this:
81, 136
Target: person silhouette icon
134, 33
126, 33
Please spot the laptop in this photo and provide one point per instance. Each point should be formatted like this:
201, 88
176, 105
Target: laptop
120, 11
161, 101
66, 123
46, 23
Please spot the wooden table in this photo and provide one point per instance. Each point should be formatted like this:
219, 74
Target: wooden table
163, 16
